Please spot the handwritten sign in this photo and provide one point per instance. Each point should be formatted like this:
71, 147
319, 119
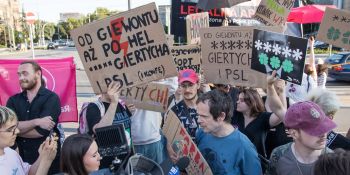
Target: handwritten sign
283, 53
152, 96
129, 48
273, 12
193, 23
187, 57
177, 135
335, 28
227, 56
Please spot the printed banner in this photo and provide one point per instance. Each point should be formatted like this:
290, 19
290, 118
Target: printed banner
283, 53
335, 28
227, 55
152, 96
273, 12
183, 145
193, 23
129, 48
187, 57
59, 75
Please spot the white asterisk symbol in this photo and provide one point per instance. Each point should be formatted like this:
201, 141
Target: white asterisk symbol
286, 51
276, 49
267, 47
258, 44
297, 54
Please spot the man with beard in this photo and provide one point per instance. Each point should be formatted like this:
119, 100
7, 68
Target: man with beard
37, 109
185, 110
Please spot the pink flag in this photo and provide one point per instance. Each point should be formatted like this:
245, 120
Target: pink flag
59, 75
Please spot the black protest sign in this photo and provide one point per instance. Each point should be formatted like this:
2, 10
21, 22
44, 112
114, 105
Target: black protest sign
129, 48
187, 57
152, 96
273, 12
335, 28
193, 23
227, 55
283, 53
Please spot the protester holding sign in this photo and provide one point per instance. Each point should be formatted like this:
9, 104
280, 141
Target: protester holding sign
37, 109
297, 93
252, 120
225, 148
186, 109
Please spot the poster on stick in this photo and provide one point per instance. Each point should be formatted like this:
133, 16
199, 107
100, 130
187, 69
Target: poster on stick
178, 137
129, 48
335, 28
187, 57
193, 23
151, 96
283, 53
227, 55
273, 12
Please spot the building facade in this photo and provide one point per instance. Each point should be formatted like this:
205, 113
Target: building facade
65, 16
164, 15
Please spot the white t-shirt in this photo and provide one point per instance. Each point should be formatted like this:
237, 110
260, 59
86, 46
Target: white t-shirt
298, 93
145, 127
12, 164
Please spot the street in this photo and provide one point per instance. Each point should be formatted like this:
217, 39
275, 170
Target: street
85, 93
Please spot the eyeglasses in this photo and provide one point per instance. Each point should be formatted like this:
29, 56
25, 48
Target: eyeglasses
11, 129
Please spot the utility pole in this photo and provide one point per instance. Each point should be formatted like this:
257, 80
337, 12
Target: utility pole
129, 4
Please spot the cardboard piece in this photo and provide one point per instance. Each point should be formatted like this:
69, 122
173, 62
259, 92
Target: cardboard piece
193, 23
170, 39
152, 96
227, 55
335, 28
283, 53
129, 48
177, 135
187, 57
273, 12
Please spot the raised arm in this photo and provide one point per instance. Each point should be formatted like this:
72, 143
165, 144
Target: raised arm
274, 101
312, 58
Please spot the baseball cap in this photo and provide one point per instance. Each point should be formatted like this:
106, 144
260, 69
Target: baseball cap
188, 75
309, 117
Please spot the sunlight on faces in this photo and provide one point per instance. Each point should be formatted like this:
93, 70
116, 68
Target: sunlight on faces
206, 120
92, 158
8, 133
189, 90
28, 78
241, 104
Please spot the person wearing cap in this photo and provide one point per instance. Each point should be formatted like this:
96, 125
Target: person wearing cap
308, 125
185, 110
329, 103
322, 71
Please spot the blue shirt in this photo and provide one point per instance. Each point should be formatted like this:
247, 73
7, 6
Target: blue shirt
230, 155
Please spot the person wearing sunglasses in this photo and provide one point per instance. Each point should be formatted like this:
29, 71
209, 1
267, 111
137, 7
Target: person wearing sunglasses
10, 160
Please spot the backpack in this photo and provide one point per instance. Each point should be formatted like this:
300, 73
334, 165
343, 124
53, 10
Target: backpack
83, 126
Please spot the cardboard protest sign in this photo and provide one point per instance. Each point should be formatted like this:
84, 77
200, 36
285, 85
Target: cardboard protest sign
283, 53
129, 48
170, 39
193, 23
273, 12
177, 135
187, 57
335, 28
152, 96
227, 55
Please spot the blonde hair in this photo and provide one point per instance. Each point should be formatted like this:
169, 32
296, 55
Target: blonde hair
327, 100
6, 114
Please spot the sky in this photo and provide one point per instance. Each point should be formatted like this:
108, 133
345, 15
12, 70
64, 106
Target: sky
49, 10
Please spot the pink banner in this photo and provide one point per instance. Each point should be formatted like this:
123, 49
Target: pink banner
59, 75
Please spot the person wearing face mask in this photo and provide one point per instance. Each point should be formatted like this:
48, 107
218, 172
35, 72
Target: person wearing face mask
79, 155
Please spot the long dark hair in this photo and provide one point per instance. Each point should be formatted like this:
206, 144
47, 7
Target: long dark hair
73, 150
253, 100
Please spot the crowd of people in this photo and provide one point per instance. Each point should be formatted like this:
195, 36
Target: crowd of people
238, 130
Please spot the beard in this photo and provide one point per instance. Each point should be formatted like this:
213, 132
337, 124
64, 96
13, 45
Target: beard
28, 84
